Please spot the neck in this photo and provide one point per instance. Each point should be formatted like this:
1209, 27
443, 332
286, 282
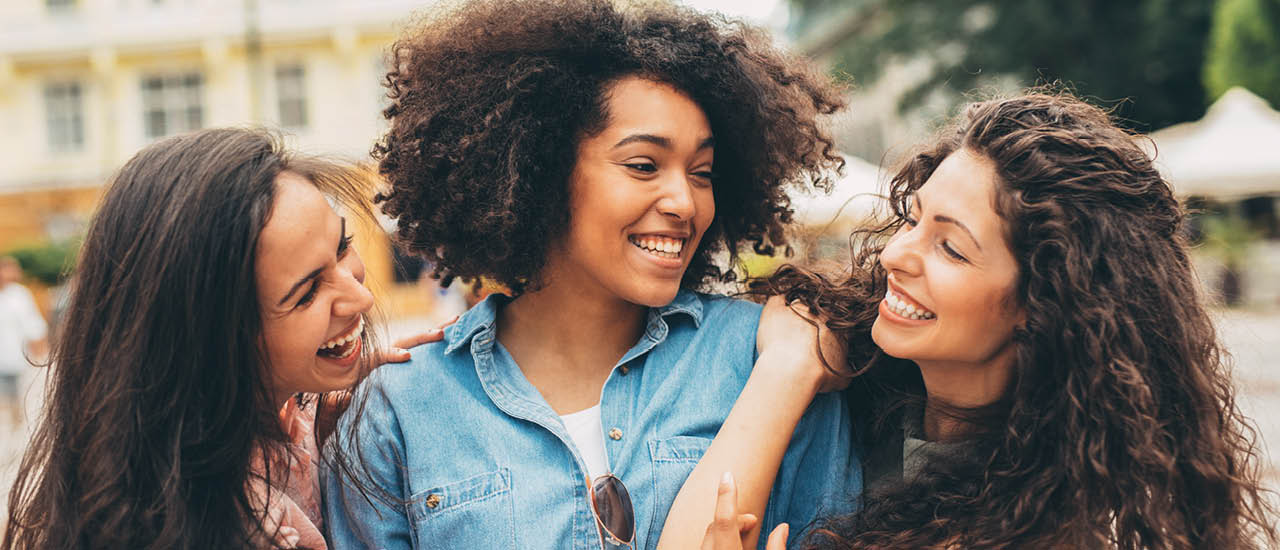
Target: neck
558, 320
964, 386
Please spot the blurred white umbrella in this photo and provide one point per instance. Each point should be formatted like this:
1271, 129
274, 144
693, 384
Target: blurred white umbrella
1231, 153
852, 199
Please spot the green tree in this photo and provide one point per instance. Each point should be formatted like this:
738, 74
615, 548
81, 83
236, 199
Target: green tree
1150, 52
1244, 48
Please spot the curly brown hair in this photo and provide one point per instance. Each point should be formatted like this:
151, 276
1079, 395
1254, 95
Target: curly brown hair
490, 98
1119, 428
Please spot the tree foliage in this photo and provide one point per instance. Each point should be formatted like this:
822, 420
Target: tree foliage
1150, 52
1244, 48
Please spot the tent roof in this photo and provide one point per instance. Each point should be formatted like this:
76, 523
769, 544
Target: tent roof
1233, 152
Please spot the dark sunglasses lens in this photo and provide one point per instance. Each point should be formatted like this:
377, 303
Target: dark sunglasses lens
613, 507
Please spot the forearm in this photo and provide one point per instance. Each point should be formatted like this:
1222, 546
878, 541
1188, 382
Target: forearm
750, 444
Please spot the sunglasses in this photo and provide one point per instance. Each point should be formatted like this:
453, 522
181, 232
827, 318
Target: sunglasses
611, 506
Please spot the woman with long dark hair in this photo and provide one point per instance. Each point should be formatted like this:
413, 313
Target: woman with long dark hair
1037, 368
216, 294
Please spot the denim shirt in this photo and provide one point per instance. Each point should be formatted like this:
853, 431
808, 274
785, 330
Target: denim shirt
476, 458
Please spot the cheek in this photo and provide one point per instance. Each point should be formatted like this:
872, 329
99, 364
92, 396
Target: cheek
705, 200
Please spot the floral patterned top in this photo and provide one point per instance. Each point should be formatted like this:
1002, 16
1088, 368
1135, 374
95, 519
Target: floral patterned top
293, 515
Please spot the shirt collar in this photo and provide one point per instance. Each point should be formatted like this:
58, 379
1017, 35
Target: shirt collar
484, 316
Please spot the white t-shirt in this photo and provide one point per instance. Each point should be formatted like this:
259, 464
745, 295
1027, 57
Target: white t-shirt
20, 323
587, 432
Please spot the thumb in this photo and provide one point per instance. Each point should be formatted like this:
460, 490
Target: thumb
778, 538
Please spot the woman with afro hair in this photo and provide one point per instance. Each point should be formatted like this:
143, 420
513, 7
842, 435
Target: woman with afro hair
604, 164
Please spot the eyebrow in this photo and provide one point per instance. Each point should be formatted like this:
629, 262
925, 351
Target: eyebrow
948, 219
659, 141
316, 273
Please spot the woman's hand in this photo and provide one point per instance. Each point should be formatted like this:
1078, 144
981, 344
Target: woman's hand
726, 530
333, 404
400, 353
792, 338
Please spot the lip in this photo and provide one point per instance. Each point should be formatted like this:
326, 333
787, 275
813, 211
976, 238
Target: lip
345, 331
889, 314
665, 264
670, 234
350, 359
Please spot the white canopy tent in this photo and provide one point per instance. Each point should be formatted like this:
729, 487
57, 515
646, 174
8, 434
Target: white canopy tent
853, 198
1231, 153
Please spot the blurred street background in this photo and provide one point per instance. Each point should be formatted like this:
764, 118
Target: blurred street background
85, 83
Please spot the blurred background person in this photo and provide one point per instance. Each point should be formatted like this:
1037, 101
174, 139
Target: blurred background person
22, 336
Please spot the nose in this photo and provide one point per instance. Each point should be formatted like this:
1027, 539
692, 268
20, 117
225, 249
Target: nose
353, 297
901, 255
677, 199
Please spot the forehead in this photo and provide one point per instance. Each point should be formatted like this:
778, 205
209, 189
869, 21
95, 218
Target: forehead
296, 238
638, 105
963, 186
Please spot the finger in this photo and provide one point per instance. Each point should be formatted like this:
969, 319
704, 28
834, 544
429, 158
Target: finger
424, 337
778, 538
746, 522
393, 356
722, 534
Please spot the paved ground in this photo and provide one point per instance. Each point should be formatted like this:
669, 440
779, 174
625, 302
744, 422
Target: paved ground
1252, 338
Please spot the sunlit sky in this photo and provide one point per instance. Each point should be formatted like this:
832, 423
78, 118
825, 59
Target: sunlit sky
766, 12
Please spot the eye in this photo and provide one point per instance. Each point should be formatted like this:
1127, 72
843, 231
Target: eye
343, 246
311, 293
706, 177
644, 167
946, 248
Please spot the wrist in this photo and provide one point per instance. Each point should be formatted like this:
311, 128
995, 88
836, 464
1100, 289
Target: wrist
791, 371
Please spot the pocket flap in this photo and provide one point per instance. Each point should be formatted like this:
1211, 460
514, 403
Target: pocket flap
460, 493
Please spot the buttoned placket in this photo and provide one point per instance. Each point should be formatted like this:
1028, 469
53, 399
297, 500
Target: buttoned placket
617, 404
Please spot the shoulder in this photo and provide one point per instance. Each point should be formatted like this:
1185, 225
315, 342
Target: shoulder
720, 311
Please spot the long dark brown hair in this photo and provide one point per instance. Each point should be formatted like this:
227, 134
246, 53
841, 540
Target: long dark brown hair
1119, 428
159, 394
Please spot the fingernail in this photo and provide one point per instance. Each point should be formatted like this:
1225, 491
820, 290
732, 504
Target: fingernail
726, 480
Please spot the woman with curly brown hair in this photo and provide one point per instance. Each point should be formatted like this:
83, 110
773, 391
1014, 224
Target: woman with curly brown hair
1037, 366
604, 165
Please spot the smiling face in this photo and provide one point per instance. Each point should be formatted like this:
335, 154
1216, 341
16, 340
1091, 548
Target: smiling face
640, 197
951, 273
311, 291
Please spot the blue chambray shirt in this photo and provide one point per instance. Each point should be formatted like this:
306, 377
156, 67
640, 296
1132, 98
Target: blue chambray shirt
488, 464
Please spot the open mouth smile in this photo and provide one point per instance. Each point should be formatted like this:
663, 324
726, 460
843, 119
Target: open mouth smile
345, 345
668, 248
906, 307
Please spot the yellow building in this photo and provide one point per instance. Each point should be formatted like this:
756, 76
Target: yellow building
85, 83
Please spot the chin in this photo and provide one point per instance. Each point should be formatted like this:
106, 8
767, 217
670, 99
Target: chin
886, 343
654, 297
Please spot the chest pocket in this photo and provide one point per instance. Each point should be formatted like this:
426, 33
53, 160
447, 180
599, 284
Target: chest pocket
673, 460
477, 512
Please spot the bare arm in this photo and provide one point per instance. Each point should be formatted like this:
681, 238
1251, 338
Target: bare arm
753, 439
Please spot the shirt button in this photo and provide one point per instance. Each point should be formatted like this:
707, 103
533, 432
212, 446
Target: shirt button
625, 369
615, 434
433, 500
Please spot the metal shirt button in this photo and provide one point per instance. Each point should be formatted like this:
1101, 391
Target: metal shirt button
615, 434
625, 369
433, 500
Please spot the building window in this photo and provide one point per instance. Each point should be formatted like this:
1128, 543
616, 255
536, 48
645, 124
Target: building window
172, 104
64, 116
291, 95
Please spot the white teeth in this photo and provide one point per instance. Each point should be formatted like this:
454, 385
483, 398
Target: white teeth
348, 338
660, 246
910, 311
